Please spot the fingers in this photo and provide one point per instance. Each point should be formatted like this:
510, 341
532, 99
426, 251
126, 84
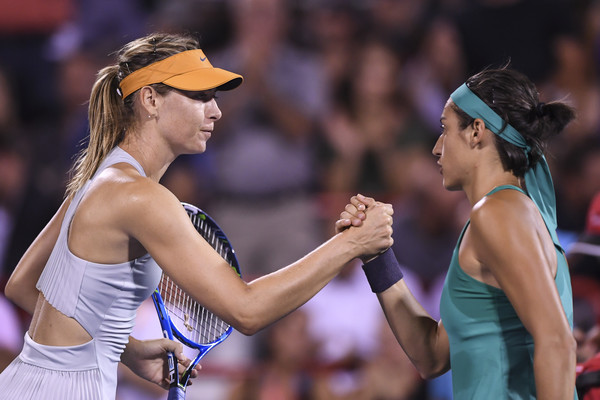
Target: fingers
195, 371
355, 212
342, 224
177, 349
362, 201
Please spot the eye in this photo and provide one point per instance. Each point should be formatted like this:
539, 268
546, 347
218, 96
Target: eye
202, 95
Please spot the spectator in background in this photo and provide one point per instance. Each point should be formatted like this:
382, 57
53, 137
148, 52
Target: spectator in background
584, 259
352, 338
389, 374
15, 158
494, 31
575, 79
577, 181
343, 321
11, 334
284, 369
333, 29
14, 169
427, 222
371, 128
399, 22
263, 158
437, 67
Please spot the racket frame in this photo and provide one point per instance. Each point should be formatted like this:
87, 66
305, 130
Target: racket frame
177, 384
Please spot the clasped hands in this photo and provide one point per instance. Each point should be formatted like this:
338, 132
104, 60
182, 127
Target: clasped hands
380, 228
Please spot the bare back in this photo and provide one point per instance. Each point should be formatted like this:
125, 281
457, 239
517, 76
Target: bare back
96, 234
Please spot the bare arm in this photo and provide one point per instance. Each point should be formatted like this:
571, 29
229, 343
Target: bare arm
20, 287
423, 339
159, 222
525, 275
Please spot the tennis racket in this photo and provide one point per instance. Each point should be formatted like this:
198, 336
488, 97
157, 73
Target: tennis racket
181, 317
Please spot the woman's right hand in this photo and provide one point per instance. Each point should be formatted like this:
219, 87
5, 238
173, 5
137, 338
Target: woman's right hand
370, 221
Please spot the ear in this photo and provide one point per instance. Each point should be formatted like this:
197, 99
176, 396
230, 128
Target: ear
477, 132
149, 100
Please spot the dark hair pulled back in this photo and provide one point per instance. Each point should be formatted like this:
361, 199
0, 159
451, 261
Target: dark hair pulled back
515, 98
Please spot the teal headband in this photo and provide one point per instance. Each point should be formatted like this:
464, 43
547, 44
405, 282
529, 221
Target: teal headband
537, 179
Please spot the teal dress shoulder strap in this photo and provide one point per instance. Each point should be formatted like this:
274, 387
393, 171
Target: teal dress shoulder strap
502, 187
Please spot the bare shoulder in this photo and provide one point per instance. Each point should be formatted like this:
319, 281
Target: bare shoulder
504, 218
122, 195
503, 207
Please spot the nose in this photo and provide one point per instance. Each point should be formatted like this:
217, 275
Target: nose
437, 149
214, 112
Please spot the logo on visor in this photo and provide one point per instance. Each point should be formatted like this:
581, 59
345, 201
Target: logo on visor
203, 58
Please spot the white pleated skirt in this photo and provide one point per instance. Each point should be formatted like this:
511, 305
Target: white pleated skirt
52, 373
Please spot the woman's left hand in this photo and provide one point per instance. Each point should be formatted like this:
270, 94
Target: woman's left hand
148, 359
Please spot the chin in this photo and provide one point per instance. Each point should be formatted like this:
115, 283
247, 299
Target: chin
450, 186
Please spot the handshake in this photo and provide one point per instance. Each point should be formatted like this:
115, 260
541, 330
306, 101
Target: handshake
368, 224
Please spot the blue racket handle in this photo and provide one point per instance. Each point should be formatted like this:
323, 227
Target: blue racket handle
176, 393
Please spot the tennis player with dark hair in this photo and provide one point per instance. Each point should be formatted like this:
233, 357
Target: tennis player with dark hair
86, 273
506, 305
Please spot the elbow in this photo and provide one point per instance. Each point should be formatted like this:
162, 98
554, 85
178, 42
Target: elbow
571, 346
567, 343
246, 324
427, 374
246, 328
20, 294
562, 343
431, 372
11, 291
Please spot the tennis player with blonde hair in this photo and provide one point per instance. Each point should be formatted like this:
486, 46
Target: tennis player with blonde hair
86, 273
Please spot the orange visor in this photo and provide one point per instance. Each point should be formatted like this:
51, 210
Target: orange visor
189, 70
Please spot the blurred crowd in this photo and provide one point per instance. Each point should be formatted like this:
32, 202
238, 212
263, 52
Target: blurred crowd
339, 97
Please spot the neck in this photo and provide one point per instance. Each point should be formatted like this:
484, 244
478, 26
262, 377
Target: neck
151, 156
486, 181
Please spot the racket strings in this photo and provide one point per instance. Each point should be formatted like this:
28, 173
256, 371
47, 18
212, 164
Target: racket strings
191, 319
209, 234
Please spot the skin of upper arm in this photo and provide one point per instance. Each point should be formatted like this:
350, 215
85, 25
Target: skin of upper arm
507, 244
20, 287
156, 218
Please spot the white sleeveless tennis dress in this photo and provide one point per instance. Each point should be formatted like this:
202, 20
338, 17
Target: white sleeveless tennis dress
103, 298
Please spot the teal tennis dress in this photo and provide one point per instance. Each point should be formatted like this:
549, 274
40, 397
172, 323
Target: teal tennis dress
491, 352
103, 298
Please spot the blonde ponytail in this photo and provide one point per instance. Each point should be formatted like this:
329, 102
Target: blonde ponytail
109, 115
106, 113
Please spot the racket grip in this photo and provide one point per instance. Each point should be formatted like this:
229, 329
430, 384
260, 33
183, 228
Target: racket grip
176, 393
383, 271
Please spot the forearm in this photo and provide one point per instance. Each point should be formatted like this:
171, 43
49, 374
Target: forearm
274, 295
423, 339
554, 369
129, 353
21, 286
